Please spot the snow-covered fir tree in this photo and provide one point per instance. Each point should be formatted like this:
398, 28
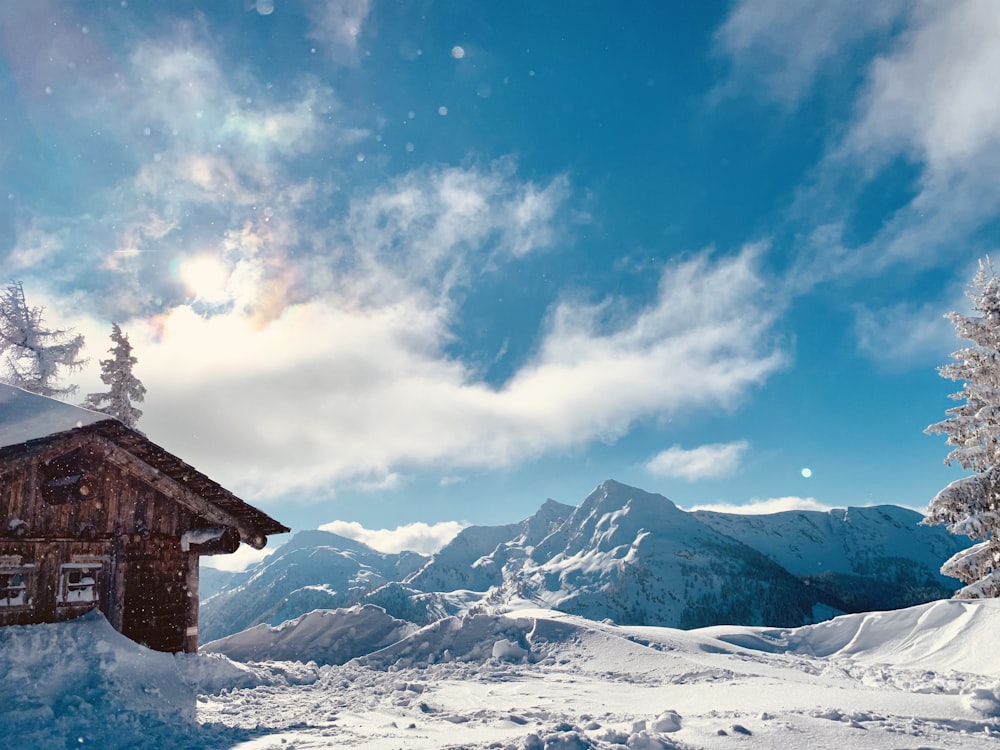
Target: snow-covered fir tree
34, 356
125, 388
971, 505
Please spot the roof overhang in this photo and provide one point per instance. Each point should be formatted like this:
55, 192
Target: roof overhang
131, 451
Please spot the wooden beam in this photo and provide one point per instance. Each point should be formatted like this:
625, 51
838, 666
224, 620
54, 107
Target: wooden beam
191, 614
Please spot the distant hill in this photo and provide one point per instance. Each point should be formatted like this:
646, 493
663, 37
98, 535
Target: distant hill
313, 570
862, 559
329, 636
622, 554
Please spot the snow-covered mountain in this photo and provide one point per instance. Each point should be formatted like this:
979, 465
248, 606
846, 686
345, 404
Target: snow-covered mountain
862, 558
478, 557
636, 558
622, 554
313, 570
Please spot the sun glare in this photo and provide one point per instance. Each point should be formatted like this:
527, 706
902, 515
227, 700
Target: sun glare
204, 277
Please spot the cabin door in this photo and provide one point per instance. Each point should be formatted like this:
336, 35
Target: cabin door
155, 602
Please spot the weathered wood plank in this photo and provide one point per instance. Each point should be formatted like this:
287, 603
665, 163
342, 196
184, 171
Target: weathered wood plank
163, 483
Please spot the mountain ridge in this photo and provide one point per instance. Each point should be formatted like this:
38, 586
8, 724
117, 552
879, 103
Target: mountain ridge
623, 554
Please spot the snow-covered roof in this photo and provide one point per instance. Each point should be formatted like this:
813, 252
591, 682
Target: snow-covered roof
27, 416
27, 419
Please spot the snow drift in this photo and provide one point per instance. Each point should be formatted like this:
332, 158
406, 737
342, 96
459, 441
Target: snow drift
532, 679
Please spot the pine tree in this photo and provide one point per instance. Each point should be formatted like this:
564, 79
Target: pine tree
125, 388
971, 505
33, 355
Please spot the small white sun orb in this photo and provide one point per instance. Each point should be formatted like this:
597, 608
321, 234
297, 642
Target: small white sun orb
807, 472
457, 52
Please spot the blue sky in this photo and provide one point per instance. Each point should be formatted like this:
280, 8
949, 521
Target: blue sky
395, 263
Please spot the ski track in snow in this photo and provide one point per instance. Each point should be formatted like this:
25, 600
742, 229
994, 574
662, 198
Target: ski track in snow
925, 677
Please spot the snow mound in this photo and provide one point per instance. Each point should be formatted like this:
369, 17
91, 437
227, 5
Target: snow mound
469, 638
937, 634
538, 635
81, 683
323, 636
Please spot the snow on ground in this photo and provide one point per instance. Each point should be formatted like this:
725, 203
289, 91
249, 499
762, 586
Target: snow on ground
925, 677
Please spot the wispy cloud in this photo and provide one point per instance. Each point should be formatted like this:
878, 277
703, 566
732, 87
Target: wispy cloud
927, 100
338, 26
415, 537
931, 100
763, 507
785, 44
901, 336
933, 94
207, 170
599, 369
437, 229
710, 461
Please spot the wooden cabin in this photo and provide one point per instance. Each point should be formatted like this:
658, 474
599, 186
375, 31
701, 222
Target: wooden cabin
94, 515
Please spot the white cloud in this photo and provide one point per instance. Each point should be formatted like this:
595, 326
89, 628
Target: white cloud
325, 394
901, 336
934, 93
771, 505
239, 560
185, 94
927, 99
415, 537
36, 246
785, 43
213, 151
704, 462
932, 100
337, 27
437, 229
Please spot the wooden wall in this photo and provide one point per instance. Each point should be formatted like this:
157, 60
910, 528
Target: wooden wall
41, 563
146, 586
156, 596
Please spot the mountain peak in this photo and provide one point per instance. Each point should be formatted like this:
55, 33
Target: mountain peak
612, 495
320, 538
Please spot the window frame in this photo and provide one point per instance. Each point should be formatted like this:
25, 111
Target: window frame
9, 572
67, 589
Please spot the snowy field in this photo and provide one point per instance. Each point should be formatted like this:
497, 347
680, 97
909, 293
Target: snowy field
925, 677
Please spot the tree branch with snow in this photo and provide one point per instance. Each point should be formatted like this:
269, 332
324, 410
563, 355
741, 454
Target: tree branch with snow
971, 505
34, 356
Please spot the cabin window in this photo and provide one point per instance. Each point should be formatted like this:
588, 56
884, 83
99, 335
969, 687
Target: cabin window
14, 589
78, 583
